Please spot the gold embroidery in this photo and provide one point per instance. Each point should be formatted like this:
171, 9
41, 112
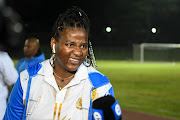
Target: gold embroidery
95, 94
24, 102
55, 111
59, 110
64, 118
79, 103
39, 98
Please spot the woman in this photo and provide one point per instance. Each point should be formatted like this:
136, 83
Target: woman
64, 86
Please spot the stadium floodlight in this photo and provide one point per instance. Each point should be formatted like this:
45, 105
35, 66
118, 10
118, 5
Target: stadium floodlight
153, 30
108, 29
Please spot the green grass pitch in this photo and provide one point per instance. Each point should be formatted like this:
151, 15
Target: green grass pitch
146, 87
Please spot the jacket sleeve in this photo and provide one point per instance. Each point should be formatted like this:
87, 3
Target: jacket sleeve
17, 66
10, 74
102, 91
111, 91
101, 85
15, 107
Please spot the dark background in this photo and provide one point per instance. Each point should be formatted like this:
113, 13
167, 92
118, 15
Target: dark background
131, 21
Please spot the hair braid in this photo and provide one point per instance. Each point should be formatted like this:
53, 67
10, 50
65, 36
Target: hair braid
73, 17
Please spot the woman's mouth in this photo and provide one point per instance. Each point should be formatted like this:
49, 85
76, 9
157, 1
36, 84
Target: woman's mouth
74, 61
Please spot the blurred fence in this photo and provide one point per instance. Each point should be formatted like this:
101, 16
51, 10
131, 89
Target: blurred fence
101, 52
116, 53
113, 53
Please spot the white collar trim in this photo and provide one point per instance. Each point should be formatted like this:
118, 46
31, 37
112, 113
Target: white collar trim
47, 71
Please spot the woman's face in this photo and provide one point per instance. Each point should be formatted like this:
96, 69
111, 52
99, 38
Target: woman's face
71, 48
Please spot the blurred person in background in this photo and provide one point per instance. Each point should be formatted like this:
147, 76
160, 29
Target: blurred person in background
10, 30
32, 54
8, 76
64, 86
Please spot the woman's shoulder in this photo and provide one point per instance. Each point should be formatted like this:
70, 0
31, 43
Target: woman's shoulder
94, 72
33, 69
31, 72
97, 78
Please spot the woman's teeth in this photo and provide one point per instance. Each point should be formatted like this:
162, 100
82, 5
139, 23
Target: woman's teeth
74, 60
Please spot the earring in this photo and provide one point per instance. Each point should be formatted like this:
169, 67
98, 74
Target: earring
52, 59
54, 50
90, 58
87, 61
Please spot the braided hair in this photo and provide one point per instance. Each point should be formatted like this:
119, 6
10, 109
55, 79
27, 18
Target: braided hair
75, 17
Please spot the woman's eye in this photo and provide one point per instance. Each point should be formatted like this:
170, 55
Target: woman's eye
69, 45
84, 46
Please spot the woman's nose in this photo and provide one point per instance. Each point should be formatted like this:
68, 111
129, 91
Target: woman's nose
77, 51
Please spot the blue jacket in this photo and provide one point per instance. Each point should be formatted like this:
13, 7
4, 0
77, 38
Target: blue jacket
23, 63
17, 107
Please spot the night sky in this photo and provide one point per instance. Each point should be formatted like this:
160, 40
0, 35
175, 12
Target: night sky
131, 20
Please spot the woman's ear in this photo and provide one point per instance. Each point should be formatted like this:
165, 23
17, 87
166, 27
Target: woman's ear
53, 43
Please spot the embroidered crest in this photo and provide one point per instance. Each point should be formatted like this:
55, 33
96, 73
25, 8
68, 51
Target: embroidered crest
95, 94
79, 103
39, 98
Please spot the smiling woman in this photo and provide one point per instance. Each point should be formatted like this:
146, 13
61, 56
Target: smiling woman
65, 86
71, 49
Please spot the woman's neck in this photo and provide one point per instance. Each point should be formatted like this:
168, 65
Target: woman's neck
62, 72
62, 76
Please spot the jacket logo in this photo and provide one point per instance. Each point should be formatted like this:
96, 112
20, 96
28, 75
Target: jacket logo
24, 101
95, 94
79, 103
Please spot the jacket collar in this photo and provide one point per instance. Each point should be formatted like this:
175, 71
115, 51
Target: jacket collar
40, 57
47, 71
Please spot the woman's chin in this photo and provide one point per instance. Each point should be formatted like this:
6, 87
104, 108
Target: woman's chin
73, 68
